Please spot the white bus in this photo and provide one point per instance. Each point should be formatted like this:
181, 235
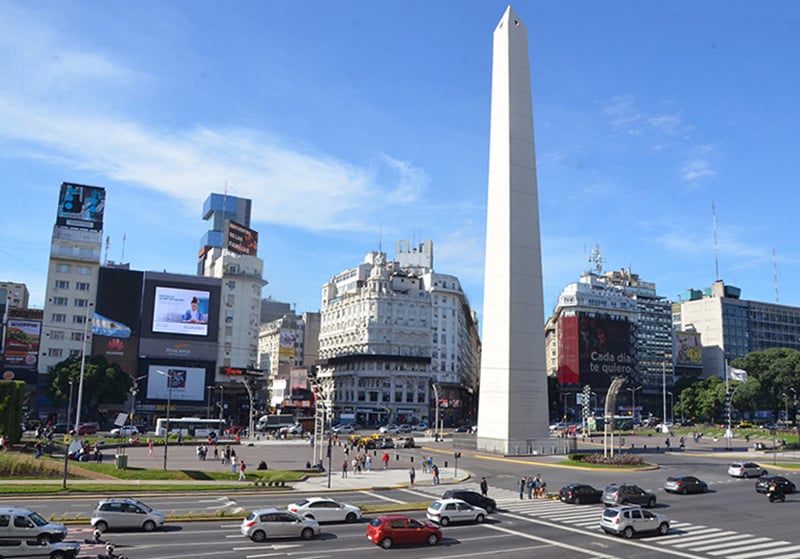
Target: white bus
193, 426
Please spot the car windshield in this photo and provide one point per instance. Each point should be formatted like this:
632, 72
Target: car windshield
436, 505
38, 520
303, 503
376, 522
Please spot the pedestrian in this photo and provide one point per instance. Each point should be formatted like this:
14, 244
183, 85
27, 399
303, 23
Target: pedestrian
411, 475
424, 464
368, 462
242, 468
541, 486
385, 460
523, 483
355, 465
150, 447
484, 487
344, 468
529, 485
666, 443
435, 471
38, 447
430, 464
233, 464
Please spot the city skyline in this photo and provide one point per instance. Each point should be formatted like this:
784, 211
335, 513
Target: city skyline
351, 127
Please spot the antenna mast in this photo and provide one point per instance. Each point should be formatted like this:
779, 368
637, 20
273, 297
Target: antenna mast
597, 260
775, 273
108, 242
716, 246
122, 258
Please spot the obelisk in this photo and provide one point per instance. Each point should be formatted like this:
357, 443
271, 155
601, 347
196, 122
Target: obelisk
512, 406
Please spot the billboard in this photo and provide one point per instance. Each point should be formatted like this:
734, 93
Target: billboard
287, 340
115, 325
181, 311
22, 343
688, 349
593, 349
240, 239
188, 383
81, 206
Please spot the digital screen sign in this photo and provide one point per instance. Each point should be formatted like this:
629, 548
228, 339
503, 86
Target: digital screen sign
188, 383
181, 311
81, 206
241, 240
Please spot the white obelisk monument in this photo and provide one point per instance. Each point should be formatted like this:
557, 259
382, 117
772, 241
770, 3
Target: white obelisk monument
512, 406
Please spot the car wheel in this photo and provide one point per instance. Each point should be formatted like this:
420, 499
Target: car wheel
490, 509
651, 503
351, 517
444, 521
386, 543
684, 490
663, 528
101, 525
258, 536
307, 533
577, 500
628, 532
58, 555
433, 539
705, 489
479, 519
149, 526
43, 539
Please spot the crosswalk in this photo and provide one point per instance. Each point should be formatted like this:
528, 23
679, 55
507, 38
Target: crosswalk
705, 541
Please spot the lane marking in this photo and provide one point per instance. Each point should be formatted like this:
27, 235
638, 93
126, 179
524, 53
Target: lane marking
385, 498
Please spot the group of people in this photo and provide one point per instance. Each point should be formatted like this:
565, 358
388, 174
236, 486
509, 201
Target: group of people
427, 467
534, 487
360, 463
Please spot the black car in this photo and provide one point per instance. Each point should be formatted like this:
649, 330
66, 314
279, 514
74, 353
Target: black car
628, 495
473, 498
763, 483
685, 484
579, 494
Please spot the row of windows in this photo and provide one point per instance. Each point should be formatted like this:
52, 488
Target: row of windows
64, 301
62, 318
79, 285
67, 269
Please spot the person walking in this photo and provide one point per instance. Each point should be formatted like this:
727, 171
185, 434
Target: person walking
435, 471
368, 463
541, 488
150, 447
523, 482
411, 476
484, 487
242, 468
424, 464
344, 468
385, 460
529, 486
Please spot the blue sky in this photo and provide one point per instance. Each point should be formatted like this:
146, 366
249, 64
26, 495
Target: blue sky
354, 123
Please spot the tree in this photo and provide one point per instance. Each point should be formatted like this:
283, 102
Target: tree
103, 383
12, 395
777, 371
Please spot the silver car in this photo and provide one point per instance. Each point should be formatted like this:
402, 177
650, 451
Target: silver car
119, 513
29, 525
631, 520
746, 469
14, 547
262, 524
445, 511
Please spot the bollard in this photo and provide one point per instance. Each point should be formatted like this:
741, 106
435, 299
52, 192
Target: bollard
397, 457
445, 463
412, 459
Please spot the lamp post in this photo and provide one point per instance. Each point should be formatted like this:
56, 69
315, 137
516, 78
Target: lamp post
208, 400
169, 403
633, 390
66, 446
86, 322
664, 428
250, 396
220, 403
671, 407
436, 417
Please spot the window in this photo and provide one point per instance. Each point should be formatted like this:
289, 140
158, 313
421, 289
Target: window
56, 334
64, 268
83, 303
82, 286
55, 352
84, 270
62, 284
76, 336
74, 353
60, 301
58, 317
78, 319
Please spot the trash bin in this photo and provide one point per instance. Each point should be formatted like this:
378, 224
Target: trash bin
121, 461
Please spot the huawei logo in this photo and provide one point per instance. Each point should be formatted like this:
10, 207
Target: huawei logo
115, 344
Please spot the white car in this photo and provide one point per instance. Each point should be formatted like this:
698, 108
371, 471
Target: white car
630, 520
445, 511
325, 510
344, 429
389, 430
746, 469
263, 524
124, 431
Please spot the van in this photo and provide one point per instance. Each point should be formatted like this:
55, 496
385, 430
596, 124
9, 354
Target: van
26, 524
10, 547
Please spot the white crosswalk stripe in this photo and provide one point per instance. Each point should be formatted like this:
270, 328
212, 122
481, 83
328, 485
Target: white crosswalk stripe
695, 538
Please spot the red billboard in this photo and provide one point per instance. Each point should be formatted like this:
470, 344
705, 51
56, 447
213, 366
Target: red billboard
593, 349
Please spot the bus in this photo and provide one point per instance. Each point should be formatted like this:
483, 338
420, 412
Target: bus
192, 426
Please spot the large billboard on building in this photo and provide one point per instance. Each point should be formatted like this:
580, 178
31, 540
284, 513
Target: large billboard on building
688, 349
593, 349
287, 342
115, 325
188, 382
21, 355
240, 239
81, 206
180, 308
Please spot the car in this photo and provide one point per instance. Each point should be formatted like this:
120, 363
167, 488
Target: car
746, 469
445, 511
389, 429
16, 547
770, 426
125, 513
405, 442
420, 427
630, 520
473, 498
385, 442
61, 428
404, 429
390, 529
263, 524
27, 524
685, 484
124, 431
663, 427
89, 428
344, 429
628, 495
579, 494
557, 426
763, 483
322, 509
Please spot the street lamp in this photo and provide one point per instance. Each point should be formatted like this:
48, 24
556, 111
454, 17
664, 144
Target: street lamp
250, 396
208, 401
436, 417
87, 321
671, 408
633, 390
66, 446
169, 403
220, 403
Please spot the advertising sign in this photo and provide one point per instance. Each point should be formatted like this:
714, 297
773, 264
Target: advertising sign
688, 349
605, 349
241, 240
188, 383
81, 206
115, 325
287, 340
22, 343
181, 311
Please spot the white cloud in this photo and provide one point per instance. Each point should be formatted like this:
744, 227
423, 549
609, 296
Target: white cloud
696, 170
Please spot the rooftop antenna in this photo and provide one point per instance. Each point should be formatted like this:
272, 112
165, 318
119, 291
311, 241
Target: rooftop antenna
597, 260
716, 245
775, 273
380, 238
108, 242
122, 258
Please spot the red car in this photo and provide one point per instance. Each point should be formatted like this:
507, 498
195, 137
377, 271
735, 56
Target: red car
390, 529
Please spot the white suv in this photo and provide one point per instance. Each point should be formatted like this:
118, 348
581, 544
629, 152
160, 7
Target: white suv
631, 520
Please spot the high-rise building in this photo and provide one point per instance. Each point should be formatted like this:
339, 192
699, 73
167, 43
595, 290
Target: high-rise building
393, 335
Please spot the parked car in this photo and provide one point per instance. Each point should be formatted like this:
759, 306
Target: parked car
405, 442
685, 484
473, 498
445, 511
16, 547
420, 427
579, 494
388, 530
29, 525
121, 512
763, 483
262, 524
628, 495
89, 428
344, 429
322, 509
389, 429
630, 520
404, 429
769, 426
124, 431
62, 428
746, 469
